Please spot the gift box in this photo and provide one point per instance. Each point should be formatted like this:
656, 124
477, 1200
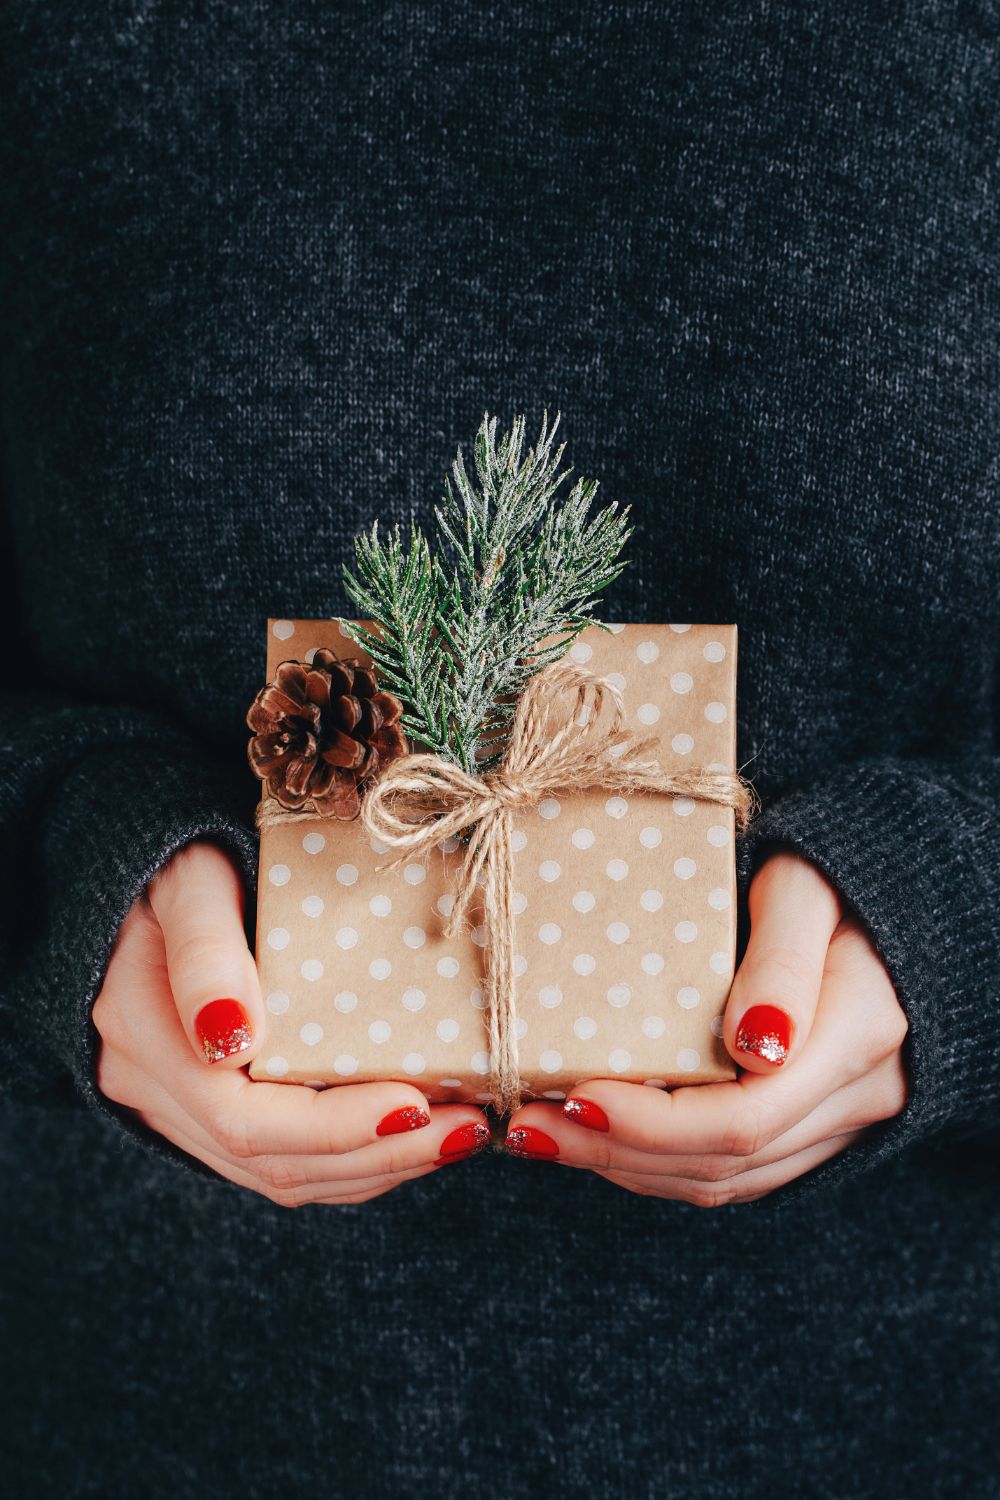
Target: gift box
625, 920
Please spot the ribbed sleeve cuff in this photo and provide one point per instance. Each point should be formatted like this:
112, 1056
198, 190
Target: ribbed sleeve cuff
114, 820
914, 847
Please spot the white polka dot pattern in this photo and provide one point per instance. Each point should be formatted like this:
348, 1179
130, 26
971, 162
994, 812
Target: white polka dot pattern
625, 913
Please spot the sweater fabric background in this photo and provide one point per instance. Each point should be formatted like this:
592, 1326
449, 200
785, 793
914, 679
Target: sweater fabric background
262, 269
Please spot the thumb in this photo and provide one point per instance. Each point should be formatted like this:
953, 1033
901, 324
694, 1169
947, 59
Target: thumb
793, 914
198, 901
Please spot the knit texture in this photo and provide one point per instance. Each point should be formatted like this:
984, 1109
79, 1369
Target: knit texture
262, 267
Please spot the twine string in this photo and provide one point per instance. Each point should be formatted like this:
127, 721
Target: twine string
420, 800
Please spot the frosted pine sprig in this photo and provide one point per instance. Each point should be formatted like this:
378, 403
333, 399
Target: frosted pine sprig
460, 626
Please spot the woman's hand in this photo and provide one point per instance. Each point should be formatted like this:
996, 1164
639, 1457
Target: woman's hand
813, 1019
179, 1015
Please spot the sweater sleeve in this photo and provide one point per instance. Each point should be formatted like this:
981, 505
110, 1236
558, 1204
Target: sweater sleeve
914, 848
93, 800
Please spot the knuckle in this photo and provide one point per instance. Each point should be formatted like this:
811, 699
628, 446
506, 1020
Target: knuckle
887, 1027
110, 1021
711, 1194
850, 945
782, 969
99, 1010
715, 1168
599, 1154
232, 1134
282, 1173
282, 1197
395, 1160
893, 1096
743, 1137
637, 1185
111, 1077
897, 1027
198, 955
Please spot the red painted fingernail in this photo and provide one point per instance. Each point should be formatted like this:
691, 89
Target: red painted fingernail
525, 1140
464, 1141
223, 1028
586, 1112
766, 1031
409, 1117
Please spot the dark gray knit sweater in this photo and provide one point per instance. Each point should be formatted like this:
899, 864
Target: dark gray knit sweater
263, 267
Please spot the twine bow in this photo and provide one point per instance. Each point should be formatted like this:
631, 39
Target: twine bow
419, 800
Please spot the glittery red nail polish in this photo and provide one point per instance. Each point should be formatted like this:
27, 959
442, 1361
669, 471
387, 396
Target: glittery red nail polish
409, 1117
766, 1031
464, 1141
525, 1140
223, 1028
586, 1112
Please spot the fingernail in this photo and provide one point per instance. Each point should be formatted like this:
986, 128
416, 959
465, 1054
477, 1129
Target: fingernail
464, 1141
409, 1117
525, 1140
766, 1031
586, 1112
223, 1028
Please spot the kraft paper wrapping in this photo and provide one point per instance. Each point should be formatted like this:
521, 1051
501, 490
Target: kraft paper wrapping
626, 920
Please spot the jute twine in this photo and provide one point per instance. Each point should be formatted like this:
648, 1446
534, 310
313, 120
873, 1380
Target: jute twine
560, 742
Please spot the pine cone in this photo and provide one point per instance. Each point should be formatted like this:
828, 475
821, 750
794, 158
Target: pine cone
321, 731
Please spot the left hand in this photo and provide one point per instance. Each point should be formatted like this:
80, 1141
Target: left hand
814, 1022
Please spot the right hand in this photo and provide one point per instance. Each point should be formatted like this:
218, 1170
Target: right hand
181, 947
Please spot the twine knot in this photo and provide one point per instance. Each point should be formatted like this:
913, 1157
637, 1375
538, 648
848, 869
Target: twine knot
509, 791
560, 741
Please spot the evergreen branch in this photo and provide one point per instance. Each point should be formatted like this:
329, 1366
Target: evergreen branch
514, 581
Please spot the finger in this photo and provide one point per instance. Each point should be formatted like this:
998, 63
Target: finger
294, 1194
850, 1073
135, 1012
850, 1111
794, 912
243, 1118
146, 1059
275, 1119
198, 901
730, 1119
879, 1095
457, 1132
454, 1131
742, 1189
858, 1026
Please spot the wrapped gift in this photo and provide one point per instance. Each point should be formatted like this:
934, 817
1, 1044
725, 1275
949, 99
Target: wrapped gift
623, 910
